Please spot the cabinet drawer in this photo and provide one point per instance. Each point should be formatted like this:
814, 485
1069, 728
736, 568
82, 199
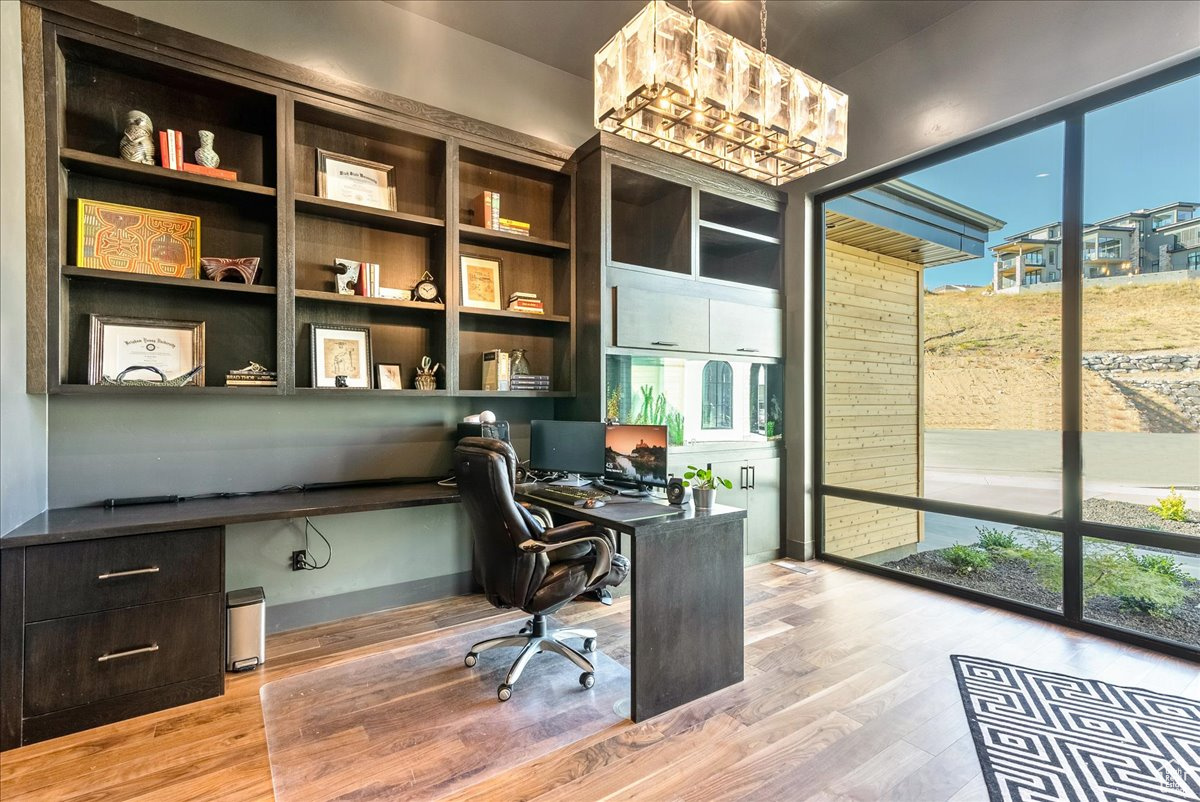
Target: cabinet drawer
661, 321
91, 575
745, 330
87, 658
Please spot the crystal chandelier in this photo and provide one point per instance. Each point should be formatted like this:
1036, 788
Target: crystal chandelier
673, 81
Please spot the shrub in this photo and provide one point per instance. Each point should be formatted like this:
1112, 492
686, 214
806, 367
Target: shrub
1163, 565
1115, 571
994, 539
967, 559
1171, 507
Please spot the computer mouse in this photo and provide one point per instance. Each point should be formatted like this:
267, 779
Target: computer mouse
590, 503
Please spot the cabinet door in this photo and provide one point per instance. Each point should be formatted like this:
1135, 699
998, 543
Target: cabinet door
744, 329
763, 505
660, 321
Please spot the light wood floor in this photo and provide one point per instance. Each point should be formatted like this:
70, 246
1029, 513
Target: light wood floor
849, 694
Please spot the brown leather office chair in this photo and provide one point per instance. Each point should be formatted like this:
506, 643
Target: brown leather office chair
524, 564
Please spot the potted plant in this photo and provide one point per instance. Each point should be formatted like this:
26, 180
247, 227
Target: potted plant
704, 485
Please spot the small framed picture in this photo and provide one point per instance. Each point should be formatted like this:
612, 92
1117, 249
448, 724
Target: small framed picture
341, 356
388, 377
352, 180
481, 282
172, 347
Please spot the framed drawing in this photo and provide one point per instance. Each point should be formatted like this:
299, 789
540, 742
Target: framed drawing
481, 281
389, 377
173, 348
129, 239
353, 180
341, 356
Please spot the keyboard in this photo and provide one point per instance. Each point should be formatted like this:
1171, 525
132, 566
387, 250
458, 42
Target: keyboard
566, 495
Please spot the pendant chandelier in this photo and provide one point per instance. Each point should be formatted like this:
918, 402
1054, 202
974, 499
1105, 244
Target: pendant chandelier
673, 81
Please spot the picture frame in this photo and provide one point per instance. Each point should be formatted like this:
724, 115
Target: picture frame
174, 347
389, 376
350, 179
340, 351
481, 281
130, 239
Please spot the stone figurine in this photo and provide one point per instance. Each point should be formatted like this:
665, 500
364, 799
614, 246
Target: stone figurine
137, 143
205, 155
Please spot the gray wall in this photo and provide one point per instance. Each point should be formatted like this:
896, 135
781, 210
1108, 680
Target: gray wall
978, 69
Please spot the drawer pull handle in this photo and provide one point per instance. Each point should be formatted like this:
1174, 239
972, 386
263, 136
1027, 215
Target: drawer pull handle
104, 658
748, 350
665, 343
131, 572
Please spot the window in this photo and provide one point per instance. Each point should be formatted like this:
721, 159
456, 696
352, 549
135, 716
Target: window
1036, 259
1193, 261
716, 396
758, 399
1110, 248
1184, 214
1052, 258
1161, 220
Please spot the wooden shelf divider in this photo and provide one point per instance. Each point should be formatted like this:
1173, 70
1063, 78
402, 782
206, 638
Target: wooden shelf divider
505, 313
92, 274
152, 175
477, 235
333, 297
378, 218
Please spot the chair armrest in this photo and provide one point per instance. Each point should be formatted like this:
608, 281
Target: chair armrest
541, 513
573, 529
603, 562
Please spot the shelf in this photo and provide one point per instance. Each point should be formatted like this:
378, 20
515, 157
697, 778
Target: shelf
114, 389
363, 391
514, 394
378, 218
477, 235
320, 295
722, 234
109, 167
70, 271
472, 310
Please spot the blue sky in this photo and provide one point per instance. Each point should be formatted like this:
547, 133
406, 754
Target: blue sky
1140, 153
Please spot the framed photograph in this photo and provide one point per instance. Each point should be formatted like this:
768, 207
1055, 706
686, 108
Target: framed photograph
341, 356
481, 282
352, 180
129, 239
389, 377
174, 347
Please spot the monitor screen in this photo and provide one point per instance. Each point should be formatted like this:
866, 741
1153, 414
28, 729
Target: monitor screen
567, 446
636, 454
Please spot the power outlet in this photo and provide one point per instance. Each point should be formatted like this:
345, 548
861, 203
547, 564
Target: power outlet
299, 558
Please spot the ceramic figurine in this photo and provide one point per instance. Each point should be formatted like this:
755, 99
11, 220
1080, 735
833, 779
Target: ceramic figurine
137, 143
518, 364
205, 155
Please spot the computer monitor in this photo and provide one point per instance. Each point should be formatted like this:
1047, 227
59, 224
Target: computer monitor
636, 455
572, 447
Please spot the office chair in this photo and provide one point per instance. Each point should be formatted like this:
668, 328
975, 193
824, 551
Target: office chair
524, 564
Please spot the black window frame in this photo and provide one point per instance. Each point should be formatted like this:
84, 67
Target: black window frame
716, 396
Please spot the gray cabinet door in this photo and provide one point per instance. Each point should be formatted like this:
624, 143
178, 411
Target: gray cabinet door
745, 329
661, 321
763, 506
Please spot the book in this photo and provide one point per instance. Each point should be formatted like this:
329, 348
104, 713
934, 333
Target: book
487, 209
527, 302
166, 153
178, 136
211, 172
250, 383
514, 226
495, 370
512, 296
528, 310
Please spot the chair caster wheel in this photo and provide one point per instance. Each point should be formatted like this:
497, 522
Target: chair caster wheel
471, 659
587, 679
504, 692
526, 628
589, 644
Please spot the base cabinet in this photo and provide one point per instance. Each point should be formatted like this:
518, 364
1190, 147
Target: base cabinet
757, 483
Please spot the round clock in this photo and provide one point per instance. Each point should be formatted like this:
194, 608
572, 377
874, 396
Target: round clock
426, 289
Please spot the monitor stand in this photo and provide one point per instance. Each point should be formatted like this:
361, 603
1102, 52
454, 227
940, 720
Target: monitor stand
572, 480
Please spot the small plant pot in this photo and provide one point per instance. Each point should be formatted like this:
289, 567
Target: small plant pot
704, 497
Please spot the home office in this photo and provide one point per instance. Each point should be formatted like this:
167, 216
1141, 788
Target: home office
359, 240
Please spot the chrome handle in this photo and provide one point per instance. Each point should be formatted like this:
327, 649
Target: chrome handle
131, 572
743, 480
665, 343
128, 653
747, 350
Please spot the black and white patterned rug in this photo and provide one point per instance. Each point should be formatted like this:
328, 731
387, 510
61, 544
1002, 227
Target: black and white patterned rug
1043, 736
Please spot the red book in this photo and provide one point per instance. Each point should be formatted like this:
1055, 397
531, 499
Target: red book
164, 151
179, 150
211, 172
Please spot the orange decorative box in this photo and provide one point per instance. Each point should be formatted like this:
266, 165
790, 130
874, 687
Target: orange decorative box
128, 239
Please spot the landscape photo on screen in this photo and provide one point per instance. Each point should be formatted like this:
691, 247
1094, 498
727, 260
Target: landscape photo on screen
636, 453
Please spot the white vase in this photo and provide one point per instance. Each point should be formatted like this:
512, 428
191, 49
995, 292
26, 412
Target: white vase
205, 155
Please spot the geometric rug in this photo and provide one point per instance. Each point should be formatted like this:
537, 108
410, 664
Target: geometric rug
415, 723
1043, 736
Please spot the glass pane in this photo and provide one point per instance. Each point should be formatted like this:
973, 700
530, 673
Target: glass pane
1141, 311
1152, 591
1003, 560
943, 331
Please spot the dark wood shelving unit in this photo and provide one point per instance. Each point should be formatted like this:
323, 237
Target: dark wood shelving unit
477, 235
119, 169
729, 235
379, 218
333, 297
505, 313
103, 389
92, 274
515, 393
363, 392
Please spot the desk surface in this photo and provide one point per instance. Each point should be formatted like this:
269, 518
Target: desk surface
632, 516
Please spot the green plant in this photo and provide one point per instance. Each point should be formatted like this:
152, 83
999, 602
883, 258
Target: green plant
655, 411
704, 479
1163, 565
967, 559
1171, 507
994, 539
612, 405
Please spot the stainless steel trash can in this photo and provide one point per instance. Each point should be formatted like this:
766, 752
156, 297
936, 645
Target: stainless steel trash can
245, 629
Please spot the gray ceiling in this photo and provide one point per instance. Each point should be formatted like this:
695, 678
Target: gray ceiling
822, 37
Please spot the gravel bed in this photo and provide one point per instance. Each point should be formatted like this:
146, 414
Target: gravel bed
1183, 625
1124, 513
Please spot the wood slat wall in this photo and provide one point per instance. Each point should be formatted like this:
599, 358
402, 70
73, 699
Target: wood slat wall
872, 396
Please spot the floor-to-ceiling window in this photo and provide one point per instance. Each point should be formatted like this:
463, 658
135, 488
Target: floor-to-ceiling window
1009, 372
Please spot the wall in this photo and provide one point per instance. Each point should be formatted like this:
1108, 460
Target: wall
22, 417
976, 70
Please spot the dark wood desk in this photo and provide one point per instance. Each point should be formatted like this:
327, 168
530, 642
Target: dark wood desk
687, 636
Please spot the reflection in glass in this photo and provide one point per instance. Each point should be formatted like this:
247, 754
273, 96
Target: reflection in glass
1152, 591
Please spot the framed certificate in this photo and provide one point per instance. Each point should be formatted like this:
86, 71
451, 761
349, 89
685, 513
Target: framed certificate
480, 281
173, 347
352, 180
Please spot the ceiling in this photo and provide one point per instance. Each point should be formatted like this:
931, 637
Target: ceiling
822, 37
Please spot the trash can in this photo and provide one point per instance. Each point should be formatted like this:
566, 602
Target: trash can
245, 629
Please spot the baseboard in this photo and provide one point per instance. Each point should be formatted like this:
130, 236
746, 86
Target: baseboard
293, 615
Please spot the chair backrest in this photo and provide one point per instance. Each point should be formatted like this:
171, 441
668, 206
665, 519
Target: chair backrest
485, 470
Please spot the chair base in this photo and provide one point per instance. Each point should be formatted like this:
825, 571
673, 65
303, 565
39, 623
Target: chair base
535, 638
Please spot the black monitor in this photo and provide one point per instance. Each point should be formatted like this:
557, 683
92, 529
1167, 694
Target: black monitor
636, 455
572, 447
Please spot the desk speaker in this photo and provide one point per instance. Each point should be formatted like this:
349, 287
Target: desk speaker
677, 492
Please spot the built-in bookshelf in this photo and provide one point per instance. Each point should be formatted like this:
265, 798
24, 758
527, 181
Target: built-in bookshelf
268, 133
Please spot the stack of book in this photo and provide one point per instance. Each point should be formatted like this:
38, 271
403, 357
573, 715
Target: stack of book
495, 370
529, 381
526, 302
251, 377
487, 212
170, 154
